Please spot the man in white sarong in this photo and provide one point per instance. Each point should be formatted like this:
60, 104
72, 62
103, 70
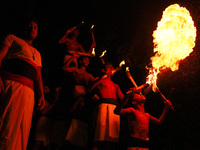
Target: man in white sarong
20, 71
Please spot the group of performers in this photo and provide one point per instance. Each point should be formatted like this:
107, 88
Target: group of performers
97, 101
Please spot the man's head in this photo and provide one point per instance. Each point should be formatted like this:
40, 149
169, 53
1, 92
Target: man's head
108, 68
138, 98
84, 61
31, 29
76, 32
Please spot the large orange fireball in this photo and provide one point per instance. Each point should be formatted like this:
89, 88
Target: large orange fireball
174, 39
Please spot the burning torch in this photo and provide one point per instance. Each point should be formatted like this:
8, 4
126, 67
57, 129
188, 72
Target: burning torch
73, 28
93, 39
101, 57
119, 67
137, 88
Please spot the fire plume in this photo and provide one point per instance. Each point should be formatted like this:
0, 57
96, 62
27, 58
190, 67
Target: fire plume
174, 39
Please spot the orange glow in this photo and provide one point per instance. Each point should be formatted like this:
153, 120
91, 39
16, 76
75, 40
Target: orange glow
174, 39
93, 51
103, 54
92, 27
122, 63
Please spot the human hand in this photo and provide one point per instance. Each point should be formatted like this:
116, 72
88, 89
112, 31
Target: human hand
104, 76
168, 104
93, 45
134, 89
76, 55
156, 89
1, 85
41, 103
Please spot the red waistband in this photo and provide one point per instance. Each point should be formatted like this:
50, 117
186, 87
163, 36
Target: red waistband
18, 78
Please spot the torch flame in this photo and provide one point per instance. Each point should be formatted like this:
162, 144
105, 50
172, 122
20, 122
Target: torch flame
174, 39
93, 51
122, 63
92, 26
103, 54
127, 68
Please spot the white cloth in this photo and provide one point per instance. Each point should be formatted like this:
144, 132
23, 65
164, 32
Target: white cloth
17, 100
108, 124
16, 109
18, 48
78, 133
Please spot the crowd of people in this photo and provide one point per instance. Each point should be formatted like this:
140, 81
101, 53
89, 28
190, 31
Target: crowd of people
82, 114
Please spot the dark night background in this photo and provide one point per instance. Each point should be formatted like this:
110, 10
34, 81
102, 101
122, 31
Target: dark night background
124, 28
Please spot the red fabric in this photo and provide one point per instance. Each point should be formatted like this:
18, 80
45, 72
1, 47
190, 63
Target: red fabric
18, 78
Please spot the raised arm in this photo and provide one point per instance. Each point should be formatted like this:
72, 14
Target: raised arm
67, 67
95, 83
118, 110
64, 38
163, 115
3, 51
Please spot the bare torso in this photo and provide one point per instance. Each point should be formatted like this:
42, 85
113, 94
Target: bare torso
82, 77
107, 89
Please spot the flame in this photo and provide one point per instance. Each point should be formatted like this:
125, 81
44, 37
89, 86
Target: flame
93, 51
92, 27
127, 68
174, 39
122, 63
103, 54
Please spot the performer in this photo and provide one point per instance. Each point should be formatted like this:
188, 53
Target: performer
44, 126
138, 119
107, 123
80, 110
20, 71
70, 39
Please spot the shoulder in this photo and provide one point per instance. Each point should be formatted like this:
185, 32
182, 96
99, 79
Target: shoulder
8, 39
116, 85
128, 111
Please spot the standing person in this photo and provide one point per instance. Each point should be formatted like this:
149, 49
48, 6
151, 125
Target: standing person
107, 123
70, 39
138, 119
44, 126
20, 71
80, 110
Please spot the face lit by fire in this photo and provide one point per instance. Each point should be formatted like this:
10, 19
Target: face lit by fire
138, 98
85, 61
108, 69
32, 30
76, 32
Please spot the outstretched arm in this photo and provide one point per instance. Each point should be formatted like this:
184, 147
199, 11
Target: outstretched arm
95, 83
3, 51
163, 116
168, 105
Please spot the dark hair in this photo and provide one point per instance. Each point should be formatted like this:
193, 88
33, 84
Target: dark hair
106, 64
28, 20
